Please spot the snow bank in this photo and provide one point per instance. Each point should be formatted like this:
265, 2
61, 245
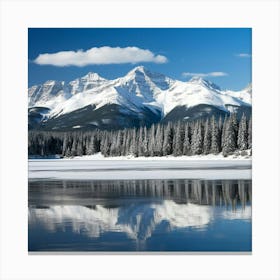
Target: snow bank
99, 156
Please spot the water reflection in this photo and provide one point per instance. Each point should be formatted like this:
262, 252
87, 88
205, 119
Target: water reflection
138, 222
139, 209
203, 192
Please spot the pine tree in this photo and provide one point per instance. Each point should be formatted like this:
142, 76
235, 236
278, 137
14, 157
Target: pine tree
242, 140
123, 146
119, 142
230, 137
65, 143
105, 145
151, 142
250, 133
215, 137
168, 140
128, 142
140, 142
90, 145
197, 139
74, 146
187, 144
220, 124
133, 146
158, 149
145, 142
79, 150
207, 138
223, 132
178, 140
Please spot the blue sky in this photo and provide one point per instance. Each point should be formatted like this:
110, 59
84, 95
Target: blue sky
221, 55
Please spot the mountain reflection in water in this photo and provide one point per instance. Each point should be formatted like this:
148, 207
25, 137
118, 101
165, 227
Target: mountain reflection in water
139, 209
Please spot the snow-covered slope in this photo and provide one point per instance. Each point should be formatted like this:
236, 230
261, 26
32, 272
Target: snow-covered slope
48, 95
138, 92
54, 94
245, 95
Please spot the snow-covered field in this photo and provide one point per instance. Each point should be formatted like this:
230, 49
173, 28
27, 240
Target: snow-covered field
124, 168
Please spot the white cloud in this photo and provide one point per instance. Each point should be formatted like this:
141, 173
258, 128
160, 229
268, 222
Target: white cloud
211, 74
102, 55
243, 55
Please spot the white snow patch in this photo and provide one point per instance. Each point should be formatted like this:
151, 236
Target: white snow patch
99, 156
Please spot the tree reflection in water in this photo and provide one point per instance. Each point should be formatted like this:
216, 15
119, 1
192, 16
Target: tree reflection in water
135, 207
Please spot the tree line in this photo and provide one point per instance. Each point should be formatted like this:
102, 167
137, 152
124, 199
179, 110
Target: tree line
209, 136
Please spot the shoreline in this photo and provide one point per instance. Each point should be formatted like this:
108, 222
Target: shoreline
99, 156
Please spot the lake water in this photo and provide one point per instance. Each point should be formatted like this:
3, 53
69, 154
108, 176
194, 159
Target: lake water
140, 215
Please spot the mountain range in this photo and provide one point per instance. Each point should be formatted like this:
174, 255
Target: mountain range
139, 98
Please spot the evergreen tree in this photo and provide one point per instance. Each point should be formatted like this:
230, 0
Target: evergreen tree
215, 136
133, 146
90, 150
168, 140
80, 150
178, 140
140, 142
158, 149
250, 133
230, 139
197, 139
105, 145
207, 138
187, 144
74, 146
119, 142
128, 142
145, 151
242, 140
151, 142
223, 132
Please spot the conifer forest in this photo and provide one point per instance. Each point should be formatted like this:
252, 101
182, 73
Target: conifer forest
201, 137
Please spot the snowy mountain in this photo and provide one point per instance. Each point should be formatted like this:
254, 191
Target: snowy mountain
139, 98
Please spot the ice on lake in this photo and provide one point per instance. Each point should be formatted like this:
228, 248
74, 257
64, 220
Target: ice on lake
142, 169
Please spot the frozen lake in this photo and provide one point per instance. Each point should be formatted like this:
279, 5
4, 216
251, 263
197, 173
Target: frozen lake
138, 169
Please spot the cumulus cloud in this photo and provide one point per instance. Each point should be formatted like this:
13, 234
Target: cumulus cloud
243, 55
211, 74
102, 55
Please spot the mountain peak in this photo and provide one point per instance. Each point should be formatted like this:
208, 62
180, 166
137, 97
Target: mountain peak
200, 81
92, 76
144, 77
138, 69
248, 88
196, 79
146, 72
